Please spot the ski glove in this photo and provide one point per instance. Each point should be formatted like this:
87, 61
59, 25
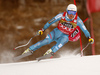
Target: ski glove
91, 40
40, 32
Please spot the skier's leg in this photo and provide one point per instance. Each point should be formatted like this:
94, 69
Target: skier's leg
47, 40
39, 44
60, 42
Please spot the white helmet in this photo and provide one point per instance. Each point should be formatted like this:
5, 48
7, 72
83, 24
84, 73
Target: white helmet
72, 7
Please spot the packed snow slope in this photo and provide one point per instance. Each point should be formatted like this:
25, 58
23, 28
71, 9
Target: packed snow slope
75, 65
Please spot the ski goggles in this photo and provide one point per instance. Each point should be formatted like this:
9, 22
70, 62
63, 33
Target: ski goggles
71, 12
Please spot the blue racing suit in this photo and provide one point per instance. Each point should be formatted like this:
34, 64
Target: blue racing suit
57, 35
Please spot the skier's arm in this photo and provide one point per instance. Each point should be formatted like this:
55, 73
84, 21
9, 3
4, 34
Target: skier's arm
85, 31
53, 20
82, 27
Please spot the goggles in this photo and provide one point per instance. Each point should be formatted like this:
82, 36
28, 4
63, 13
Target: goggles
71, 12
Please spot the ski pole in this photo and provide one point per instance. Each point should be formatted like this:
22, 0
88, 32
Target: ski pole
26, 43
84, 49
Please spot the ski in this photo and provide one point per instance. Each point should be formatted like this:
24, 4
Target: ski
22, 56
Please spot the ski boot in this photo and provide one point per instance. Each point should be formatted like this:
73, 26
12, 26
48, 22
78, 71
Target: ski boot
48, 54
27, 51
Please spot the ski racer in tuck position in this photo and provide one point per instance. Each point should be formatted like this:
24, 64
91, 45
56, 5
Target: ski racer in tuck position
68, 29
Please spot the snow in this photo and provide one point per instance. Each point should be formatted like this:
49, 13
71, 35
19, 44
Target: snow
6, 56
74, 65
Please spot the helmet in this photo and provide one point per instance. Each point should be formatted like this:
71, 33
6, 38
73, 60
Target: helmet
72, 7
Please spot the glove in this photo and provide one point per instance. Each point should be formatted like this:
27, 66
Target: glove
91, 40
40, 32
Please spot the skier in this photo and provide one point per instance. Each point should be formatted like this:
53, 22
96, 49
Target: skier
68, 29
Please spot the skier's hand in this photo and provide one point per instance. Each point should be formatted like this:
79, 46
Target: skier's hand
91, 40
40, 32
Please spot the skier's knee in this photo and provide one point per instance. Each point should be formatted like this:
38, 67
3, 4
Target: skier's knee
49, 41
46, 41
65, 40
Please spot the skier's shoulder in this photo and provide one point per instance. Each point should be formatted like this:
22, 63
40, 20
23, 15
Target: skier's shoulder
79, 21
59, 15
